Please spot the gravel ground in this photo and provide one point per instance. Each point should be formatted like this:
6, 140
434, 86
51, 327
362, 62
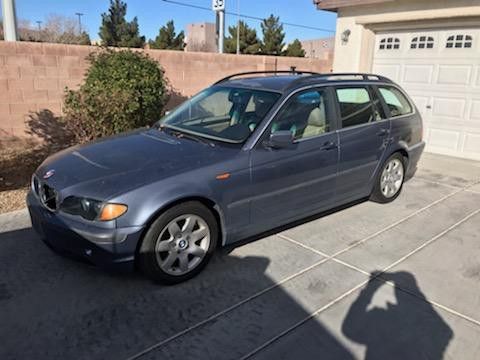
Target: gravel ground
18, 160
11, 200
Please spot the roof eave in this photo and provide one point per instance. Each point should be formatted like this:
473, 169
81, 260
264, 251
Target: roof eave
334, 5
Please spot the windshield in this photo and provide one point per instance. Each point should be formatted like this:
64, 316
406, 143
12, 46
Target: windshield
222, 113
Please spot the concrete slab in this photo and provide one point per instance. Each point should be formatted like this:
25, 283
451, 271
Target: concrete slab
449, 269
449, 170
68, 309
378, 322
383, 250
242, 330
335, 232
14, 220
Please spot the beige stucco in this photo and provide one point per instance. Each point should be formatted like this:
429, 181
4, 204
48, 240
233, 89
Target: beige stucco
364, 21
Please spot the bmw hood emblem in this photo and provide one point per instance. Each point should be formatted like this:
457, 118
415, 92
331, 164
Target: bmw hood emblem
49, 174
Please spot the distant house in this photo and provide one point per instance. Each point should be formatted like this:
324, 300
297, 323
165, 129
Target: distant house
201, 37
319, 48
431, 48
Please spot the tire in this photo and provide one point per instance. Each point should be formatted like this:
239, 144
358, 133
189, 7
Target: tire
179, 243
388, 189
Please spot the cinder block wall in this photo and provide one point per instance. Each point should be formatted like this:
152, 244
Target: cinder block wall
33, 76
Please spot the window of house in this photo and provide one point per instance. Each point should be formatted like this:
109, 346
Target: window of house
395, 100
389, 44
459, 41
356, 106
422, 42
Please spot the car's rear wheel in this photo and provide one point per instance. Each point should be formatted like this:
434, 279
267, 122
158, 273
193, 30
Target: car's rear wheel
389, 182
179, 243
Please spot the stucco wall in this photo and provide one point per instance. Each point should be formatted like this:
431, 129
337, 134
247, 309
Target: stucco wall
364, 21
33, 76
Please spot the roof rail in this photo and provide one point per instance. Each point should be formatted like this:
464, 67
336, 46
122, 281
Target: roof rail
292, 71
360, 76
364, 76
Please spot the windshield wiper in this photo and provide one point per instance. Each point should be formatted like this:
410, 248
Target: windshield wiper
181, 134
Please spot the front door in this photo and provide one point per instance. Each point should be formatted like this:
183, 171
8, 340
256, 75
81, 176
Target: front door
363, 138
297, 179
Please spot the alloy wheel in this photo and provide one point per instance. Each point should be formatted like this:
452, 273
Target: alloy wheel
182, 244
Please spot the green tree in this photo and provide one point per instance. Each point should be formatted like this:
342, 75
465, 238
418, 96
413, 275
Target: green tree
295, 49
168, 39
116, 30
273, 36
249, 42
123, 90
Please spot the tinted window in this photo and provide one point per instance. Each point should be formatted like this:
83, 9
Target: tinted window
396, 101
304, 115
355, 106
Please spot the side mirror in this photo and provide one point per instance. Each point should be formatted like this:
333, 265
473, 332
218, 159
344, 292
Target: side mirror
280, 139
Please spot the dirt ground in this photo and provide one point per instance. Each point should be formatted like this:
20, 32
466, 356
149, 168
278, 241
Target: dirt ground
18, 160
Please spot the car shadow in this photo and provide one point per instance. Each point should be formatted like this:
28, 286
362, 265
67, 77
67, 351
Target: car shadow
52, 307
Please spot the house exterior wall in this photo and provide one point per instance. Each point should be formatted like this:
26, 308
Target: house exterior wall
364, 20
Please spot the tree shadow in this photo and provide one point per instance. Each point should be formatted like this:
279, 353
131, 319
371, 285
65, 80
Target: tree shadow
19, 160
176, 98
399, 326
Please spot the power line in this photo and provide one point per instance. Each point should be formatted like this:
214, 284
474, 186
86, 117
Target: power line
247, 16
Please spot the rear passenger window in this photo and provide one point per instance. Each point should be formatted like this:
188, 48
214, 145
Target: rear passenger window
396, 101
355, 106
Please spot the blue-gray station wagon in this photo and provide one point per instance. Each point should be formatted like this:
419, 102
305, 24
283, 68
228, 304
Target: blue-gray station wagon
253, 152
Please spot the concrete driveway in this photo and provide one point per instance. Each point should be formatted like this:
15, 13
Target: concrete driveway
303, 293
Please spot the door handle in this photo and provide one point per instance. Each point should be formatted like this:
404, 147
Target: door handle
329, 145
383, 132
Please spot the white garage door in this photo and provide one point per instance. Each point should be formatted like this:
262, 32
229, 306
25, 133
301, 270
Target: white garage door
440, 70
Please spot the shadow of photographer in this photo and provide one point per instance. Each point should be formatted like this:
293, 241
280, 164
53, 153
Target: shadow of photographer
393, 324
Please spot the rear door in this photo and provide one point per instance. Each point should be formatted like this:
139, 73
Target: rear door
363, 138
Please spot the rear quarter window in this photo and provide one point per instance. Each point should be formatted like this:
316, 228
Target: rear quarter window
397, 102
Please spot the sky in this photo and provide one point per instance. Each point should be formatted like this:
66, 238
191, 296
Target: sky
152, 14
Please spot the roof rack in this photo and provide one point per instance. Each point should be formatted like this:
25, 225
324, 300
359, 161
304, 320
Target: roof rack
359, 76
364, 76
292, 71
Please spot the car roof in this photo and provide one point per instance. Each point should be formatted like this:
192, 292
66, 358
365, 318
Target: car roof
285, 81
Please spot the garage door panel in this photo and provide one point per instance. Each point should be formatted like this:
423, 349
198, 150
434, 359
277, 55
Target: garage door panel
443, 79
475, 110
448, 107
447, 139
472, 143
454, 75
390, 71
419, 74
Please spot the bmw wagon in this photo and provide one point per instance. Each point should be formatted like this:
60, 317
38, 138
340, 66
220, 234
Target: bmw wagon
253, 152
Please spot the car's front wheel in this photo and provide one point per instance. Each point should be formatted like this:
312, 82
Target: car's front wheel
389, 182
179, 243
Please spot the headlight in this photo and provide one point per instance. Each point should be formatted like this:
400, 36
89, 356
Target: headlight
91, 209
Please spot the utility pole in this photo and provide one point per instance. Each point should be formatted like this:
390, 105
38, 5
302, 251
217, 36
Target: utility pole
79, 21
39, 35
9, 20
219, 7
238, 27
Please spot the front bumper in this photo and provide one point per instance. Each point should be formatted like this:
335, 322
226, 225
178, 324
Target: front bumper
111, 248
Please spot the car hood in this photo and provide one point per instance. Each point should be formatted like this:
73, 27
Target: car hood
126, 161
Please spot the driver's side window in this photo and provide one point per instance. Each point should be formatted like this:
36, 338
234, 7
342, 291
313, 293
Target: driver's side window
305, 115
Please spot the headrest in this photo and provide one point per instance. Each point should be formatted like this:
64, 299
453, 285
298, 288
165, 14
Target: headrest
317, 117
